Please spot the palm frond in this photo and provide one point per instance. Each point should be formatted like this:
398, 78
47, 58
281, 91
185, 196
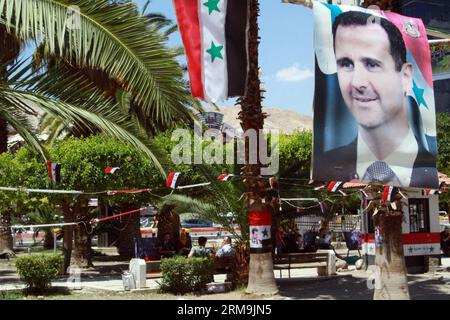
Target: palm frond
111, 37
69, 100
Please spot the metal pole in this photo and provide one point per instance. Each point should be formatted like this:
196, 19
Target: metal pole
54, 241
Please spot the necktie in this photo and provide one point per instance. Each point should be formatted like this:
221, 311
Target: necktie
379, 171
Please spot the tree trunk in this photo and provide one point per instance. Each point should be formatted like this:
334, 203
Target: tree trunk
67, 235
391, 282
48, 240
261, 276
82, 252
241, 272
129, 233
6, 239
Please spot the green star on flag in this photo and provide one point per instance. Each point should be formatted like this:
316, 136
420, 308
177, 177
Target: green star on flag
212, 5
418, 92
215, 51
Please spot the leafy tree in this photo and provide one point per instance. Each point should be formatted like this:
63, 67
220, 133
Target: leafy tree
19, 170
443, 136
83, 168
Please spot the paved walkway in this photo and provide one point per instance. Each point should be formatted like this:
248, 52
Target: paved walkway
303, 284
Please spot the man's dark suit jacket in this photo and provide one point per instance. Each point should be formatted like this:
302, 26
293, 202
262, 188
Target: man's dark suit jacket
340, 165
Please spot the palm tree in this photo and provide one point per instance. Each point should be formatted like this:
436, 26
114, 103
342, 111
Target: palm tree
219, 200
104, 38
44, 215
261, 276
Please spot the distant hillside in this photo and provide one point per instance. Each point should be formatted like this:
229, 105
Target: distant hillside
284, 120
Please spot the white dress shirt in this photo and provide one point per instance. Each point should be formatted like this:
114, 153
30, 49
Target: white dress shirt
401, 161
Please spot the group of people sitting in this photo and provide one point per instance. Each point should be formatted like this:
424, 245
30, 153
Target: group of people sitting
292, 241
226, 250
184, 247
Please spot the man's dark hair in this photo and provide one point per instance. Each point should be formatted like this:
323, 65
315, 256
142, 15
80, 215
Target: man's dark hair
356, 18
202, 241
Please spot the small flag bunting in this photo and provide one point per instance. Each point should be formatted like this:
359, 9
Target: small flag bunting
54, 171
173, 179
334, 186
225, 177
389, 193
431, 191
112, 170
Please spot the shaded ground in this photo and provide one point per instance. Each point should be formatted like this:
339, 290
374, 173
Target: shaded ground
349, 285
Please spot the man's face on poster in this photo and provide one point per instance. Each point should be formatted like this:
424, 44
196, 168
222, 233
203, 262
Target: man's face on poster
372, 88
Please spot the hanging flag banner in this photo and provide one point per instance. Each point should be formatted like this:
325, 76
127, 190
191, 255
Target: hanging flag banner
215, 41
374, 107
112, 170
173, 179
54, 171
260, 229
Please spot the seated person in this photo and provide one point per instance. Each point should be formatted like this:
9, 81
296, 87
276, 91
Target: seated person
226, 250
309, 241
323, 240
200, 250
299, 243
445, 241
167, 248
184, 242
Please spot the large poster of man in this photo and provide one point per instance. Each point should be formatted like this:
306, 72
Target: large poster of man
374, 113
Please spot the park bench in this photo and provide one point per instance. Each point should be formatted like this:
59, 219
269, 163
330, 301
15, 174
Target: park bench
323, 260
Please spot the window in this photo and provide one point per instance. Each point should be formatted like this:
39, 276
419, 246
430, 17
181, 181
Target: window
418, 215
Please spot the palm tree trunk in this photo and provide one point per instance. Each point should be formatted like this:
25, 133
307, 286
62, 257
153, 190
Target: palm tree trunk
261, 276
6, 239
48, 240
391, 281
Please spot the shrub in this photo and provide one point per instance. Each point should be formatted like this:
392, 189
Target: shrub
38, 270
181, 275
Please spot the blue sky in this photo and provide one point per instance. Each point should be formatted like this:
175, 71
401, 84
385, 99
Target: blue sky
286, 52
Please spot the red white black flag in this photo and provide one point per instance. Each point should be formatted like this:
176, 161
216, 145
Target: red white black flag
225, 177
112, 170
389, 193
215, 40
54, 171
334, 186
172, 179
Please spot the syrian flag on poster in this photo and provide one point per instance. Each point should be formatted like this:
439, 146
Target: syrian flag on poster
225, 177
215, 41
173, 179
260, 225
389, 193
54, 171
112, 170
